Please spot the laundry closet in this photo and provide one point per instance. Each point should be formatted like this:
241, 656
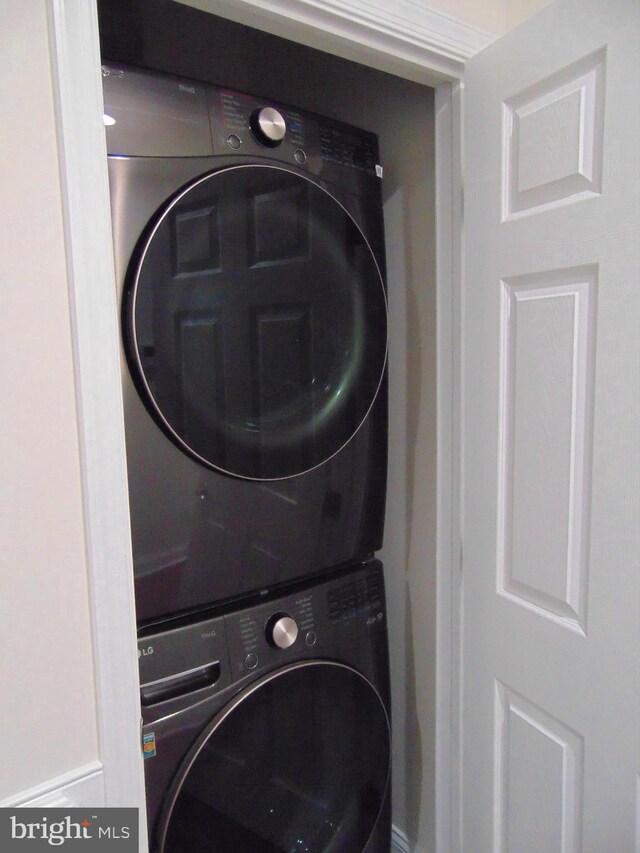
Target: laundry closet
178, 40
71, 625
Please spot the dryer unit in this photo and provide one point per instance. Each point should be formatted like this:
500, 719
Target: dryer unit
267, 728
249, 256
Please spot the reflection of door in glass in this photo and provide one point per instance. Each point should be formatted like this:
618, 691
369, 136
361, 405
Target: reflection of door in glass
300, 763
259, 321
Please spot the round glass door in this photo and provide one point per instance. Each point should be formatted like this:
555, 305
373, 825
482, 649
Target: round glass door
299, 763
256, 322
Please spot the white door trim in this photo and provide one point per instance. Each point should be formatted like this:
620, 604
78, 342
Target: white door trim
404, 37
408, 40
75, 57
448, 107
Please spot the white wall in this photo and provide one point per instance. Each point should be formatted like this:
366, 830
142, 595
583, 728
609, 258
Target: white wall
495, 16
518, 10
46, 672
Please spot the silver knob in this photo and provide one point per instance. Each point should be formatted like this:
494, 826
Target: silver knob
283, 631
268, 125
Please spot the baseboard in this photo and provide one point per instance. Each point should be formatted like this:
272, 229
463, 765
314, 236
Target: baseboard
399, 841
83, 786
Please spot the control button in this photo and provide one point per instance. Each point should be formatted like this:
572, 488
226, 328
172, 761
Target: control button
300, 156
311, 638
234, 141
281, 631
251, 661
268, 126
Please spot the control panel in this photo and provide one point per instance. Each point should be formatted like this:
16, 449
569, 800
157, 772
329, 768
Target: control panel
151, 114
310, 621
341, 145
216, 652
246, 124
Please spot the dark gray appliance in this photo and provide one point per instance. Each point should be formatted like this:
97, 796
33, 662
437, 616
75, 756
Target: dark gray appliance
266, 728
249, 257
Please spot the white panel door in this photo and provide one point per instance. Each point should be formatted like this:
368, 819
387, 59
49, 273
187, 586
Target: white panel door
551, 464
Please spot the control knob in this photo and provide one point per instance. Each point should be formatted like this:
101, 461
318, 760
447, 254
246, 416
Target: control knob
281, 631
268, 126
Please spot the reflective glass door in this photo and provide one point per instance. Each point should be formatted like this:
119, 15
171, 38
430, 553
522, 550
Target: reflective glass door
299, 763
256, 322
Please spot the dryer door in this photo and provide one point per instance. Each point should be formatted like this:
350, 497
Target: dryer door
298, 762
256, 322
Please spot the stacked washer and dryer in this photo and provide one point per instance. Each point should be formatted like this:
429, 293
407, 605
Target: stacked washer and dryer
250, 264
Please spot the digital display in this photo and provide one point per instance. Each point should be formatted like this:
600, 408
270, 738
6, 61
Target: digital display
350, 149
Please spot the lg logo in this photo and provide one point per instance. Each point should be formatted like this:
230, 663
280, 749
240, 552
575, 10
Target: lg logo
145, 652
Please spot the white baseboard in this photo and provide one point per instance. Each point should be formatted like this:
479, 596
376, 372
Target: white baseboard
83, 786
399, 841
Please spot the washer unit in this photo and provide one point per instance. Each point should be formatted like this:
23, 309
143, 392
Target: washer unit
266, 728
249, 255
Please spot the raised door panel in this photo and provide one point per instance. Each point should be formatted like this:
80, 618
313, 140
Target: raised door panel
551, 457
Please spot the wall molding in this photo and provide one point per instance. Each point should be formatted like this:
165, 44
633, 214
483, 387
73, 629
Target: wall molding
75, 57
404, 37
83, 786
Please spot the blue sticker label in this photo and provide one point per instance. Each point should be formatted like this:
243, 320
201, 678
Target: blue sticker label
149, 745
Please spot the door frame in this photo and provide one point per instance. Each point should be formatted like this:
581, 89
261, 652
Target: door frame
409, 41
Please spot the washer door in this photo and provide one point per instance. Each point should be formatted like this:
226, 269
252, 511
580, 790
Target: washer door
256, 322
298, 762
